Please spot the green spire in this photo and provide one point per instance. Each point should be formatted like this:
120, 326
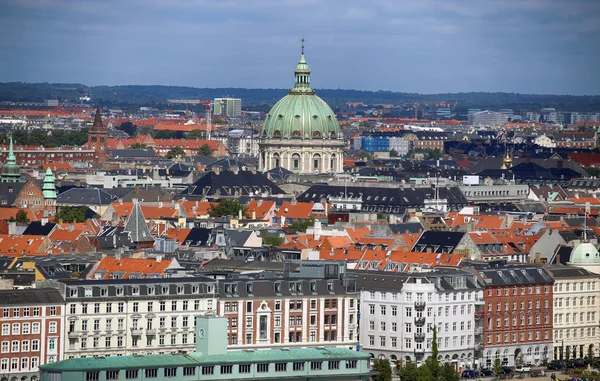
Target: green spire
11, 173
302, 74
49, 188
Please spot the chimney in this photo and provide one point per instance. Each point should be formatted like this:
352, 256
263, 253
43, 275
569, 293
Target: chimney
559, 164
538, 258
528, 158
216, 170
254, 214
252, 169
558, 258
235, 169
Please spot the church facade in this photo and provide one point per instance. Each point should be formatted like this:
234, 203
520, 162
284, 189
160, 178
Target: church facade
301, 132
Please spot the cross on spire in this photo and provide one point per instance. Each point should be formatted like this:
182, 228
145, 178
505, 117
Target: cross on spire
302, 45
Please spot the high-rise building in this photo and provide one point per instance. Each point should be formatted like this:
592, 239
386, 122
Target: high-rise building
487, 118
230, 107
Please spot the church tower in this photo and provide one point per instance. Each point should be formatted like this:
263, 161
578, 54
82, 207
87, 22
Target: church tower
97, 137
11, 173
49, 192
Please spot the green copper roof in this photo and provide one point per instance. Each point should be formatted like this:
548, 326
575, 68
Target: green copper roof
195, 359
301, 113
11, 173
585, 252
49, 188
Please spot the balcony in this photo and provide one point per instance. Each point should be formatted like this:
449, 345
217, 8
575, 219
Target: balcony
479, 315
73, 335
420, 350
478, 331
420, 321
136, 331
420, 304
150, 332
419, 336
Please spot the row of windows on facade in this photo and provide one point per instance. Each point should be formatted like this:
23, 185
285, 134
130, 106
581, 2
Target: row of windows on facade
575, 333
408, 327
27, 328
506, 290
420, 297
293, 287
135, 342
589, 286
512, 337
135, 307
22, 364
293, 305
514, 305
292, 321
442, 311
490, 324
297, 366
293, 337
529, 351
408, 342
18, 346
135, 323
590, 301
135, 290
26, 312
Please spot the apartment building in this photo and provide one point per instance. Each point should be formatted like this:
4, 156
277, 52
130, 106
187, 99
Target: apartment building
292, 310
576, 312
31, 332
134, 316
518, 312
399, 310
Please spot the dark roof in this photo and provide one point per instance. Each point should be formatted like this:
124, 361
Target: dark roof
576, 234
515, 275
410, 227
9, 192
219, 264
36, 228
85, 196
438, 241
34, 297
226, 164
278, 174
198, 237
570, 272
395, 200
228, 183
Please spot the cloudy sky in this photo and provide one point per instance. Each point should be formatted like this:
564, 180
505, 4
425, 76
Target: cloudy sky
425, 46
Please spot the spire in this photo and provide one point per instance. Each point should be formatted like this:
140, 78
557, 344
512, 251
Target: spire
98, 125
302, 74
49, 187
11, 173
136, 225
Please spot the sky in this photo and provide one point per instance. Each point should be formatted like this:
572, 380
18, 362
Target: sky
421, 46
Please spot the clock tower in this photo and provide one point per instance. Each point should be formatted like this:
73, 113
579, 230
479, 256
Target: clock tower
214, 327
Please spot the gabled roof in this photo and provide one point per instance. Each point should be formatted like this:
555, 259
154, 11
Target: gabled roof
228, 183
136, 225
85, 196
259, 207
37, 228
125, 267
18, 245
438, 241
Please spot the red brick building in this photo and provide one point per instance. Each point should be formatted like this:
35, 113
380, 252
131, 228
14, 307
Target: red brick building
97, 138
30, 331
33, 156
517, 316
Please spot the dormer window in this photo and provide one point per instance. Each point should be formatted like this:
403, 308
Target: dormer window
228, 289
278, 288
234, 289
249, 288
313, 286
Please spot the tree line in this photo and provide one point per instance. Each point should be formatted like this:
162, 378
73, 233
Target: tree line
56, 138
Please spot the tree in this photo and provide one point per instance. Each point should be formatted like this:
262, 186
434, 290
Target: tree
195, 134
590, 355
394, 153
384, 368
72, 213
408, 372
364, 124
205, 150
271, 240
175, 152
138, 146
21, 217
364, 155
432, 362
227, 208
165, 134
301, 225
568, 354
497, 366
434, 154
519, 361
448, 373
424, 374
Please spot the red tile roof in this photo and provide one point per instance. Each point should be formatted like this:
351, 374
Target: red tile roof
127, 266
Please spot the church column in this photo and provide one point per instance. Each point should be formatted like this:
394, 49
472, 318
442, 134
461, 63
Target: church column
289, 158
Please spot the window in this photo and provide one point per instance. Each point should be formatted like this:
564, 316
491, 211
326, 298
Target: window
5, 329
151, 373
36, 311
316, 365
92, 376
16, 329
189, 371
112, 374
262, 368
52, 327
15, 346
333, 365
244, 368
25, 346
132, 373
351, 364
96, 308
298, 366
280, 367
226, 369
170, 372
35, 345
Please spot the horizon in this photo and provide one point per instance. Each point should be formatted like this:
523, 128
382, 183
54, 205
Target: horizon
538, 47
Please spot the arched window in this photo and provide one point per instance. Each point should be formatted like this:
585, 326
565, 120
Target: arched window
333, 162
276, 160
296, 161
316, 161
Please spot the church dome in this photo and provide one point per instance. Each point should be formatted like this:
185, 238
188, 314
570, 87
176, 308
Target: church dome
585, 252
301, 113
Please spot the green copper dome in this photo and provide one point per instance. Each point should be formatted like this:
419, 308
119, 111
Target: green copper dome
49, 187
585, 252
11, 173
301, 113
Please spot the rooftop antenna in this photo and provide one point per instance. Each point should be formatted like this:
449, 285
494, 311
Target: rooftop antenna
302, 45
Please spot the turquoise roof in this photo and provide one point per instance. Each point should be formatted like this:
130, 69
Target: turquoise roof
585, 252
11, 173
198, 359
49, 188
301, 113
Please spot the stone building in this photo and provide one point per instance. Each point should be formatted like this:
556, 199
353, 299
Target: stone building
301, 132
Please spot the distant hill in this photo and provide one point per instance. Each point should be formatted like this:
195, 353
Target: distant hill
135, 95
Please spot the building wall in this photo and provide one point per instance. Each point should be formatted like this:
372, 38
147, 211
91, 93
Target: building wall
31, 196
30, 336
576, 314
511, 324
35, 157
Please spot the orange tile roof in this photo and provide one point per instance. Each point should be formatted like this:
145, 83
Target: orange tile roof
90, 227
18, 245
260, 210
483, 237
65, 235
141, 266
195, 209
356, 234
348, 254
8, 213
150, 212
299, 210
338, 242
179, 234
585, 199
58, 166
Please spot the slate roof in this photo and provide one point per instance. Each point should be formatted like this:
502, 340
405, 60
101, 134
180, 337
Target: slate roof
136, 225
279, 174
395, 200
226, 164
112, 237
385, 281
85, 196
410, 227
219, 264
35, 297
266, 287
36, 228
9, 192
198, 237
568, 272
515, 275
227, 183
438, 241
